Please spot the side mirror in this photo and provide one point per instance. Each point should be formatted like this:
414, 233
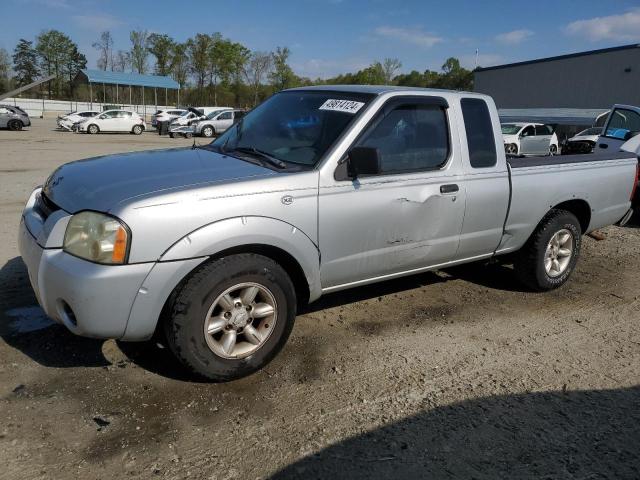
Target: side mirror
363, 161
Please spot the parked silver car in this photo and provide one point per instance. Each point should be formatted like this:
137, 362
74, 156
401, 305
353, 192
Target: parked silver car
13, 118
316, 190
217, 122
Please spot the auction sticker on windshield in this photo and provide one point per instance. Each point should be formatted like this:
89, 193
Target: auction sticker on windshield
346, 106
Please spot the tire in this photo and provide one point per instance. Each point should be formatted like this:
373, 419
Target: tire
93, 129
171, 135
511, 149
553, 150
137, 129
200, 300
15, 125
208, 131
531, 263
188, 135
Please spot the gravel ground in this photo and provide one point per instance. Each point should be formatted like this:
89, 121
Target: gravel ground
453, 374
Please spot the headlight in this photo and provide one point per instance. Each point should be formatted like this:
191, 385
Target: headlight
97, 237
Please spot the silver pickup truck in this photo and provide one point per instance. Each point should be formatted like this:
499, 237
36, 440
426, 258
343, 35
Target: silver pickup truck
316, 190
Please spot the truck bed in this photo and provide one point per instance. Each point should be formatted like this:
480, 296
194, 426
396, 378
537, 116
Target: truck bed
599, 183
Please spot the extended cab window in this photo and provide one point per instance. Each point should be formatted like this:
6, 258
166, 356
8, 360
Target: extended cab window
410, 137
480, 137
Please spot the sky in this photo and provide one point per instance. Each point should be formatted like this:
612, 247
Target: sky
328, 37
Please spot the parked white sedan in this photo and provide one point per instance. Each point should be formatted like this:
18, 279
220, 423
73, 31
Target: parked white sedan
529, 139
114, 121
66, 122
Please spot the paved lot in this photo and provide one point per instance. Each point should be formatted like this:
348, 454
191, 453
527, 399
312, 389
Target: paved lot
454, 374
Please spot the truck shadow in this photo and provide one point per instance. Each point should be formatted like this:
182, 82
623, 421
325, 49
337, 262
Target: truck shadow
24, 326
572, 434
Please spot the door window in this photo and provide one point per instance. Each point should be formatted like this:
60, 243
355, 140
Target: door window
410, 137
480, 137
622, 123
530, 131
4, 111
225, 116
543, 130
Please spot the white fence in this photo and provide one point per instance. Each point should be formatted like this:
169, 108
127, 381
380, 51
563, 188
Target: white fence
46, 108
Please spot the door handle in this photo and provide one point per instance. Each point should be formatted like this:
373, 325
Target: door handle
449, 188
603, 145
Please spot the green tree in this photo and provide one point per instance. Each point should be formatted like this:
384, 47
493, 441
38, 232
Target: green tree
180, 63
54, 48
282, 75
25, 63
76, 61
139, 50
161, 47
199, 50
5, 68
455, 77
105, 49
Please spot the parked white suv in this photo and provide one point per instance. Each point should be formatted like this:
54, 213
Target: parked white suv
114, 121
66, 122
166, 115
529, 139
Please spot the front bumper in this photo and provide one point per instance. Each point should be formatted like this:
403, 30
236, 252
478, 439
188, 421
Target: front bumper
92, 300
89, 299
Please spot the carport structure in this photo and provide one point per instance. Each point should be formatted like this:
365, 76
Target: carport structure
122, 81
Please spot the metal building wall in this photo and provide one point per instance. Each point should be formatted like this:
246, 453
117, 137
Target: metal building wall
594, 80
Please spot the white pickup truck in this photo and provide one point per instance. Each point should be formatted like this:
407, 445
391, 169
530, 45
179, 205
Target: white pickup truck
316, 190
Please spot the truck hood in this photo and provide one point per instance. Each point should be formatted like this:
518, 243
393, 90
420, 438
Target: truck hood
101, 183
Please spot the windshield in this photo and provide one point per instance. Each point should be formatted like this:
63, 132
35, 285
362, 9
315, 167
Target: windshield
510, 129
295, 126
590, 131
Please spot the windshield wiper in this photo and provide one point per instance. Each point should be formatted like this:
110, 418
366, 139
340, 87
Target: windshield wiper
276, 162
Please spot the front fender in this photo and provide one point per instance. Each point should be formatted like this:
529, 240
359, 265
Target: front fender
251, 230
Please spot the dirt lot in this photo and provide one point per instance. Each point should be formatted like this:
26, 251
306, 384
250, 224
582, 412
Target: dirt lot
455, 374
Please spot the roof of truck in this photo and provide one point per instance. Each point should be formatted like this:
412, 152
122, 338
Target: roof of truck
379, 89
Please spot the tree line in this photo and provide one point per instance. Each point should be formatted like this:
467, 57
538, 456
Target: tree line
210, 68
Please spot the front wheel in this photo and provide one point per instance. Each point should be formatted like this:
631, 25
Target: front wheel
207, 131
511, 149
15, 125
232, 316
92, 129
550, 255
553, 150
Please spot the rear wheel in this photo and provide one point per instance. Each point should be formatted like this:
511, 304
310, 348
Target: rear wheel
511, 149
550, 255
15, 125
137, 129
188, 135
232, 316
553, 150
208, 131
93, 129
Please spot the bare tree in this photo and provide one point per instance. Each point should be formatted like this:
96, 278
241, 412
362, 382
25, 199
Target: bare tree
139, 50
105, 47
121, 61
390, 66
256, 69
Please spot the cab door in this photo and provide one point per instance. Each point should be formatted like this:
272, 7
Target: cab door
223, 121
543, 139
407, 217
108, 122
528, 141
